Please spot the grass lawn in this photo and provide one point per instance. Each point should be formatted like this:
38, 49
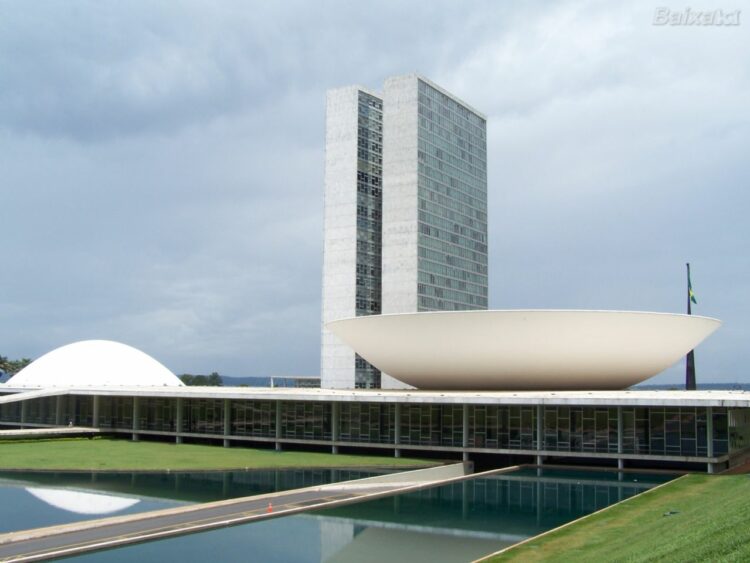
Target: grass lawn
111, 455
694, 518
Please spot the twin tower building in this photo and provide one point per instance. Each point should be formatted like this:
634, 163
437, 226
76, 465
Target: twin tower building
405, 212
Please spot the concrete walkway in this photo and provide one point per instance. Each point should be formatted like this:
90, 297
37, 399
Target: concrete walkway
61, 432
69, 539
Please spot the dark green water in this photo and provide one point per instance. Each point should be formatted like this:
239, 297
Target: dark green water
457, 522
35, 499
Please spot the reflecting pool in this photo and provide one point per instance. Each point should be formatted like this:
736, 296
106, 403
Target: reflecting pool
35, 499
456, 522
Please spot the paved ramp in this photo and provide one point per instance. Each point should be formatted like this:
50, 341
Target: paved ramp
70, 539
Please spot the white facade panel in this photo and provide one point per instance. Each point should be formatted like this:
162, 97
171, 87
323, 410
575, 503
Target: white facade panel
340, 234
400, 203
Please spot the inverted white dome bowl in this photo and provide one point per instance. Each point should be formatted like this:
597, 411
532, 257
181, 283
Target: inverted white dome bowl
523, 350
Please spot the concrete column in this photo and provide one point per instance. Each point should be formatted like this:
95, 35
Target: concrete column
58, 410
710, 437
464, 499
397, 430
465, 435
95, 411
178, 422
335, 415
227, 421
620, 461
539, 492
24, 412
136, 417
278, 426
539, 432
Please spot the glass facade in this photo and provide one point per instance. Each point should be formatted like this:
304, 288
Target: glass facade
656, 430
306, 420
203, 416
254, 418
157, 414
432, 425
452, 196
501, 427
41, 411
369, 222
116, 412
372, 423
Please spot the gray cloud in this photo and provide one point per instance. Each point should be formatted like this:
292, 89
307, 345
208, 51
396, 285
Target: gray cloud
162, 166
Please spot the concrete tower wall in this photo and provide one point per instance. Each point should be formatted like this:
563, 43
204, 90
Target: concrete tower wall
340, 233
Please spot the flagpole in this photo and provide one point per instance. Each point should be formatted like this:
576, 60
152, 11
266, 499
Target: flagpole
690, 360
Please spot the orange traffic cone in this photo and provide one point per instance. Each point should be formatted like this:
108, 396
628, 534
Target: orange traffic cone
270, 508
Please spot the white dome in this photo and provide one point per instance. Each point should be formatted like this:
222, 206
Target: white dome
94, 363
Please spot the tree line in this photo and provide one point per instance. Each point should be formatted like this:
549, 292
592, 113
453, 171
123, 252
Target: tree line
213, 380
12, 367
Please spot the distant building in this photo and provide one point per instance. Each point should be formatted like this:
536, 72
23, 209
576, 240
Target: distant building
405, 212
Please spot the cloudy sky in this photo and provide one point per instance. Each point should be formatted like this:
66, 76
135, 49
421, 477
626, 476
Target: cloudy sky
161, 166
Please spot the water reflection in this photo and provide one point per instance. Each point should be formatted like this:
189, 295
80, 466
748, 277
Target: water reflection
457, 522
78, 502
189, 486
36, 499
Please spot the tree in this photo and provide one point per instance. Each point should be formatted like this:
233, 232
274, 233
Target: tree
213, 380
12, 367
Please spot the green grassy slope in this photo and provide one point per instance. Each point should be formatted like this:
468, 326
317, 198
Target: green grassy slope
695, 518
110, 454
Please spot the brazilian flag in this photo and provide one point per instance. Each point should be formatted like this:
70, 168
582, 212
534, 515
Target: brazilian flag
690, 290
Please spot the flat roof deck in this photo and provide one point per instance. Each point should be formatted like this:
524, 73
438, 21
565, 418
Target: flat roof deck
735, 399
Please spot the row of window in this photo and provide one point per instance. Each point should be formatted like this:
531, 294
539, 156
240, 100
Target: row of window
475, 188
452, 249
372, 158
453, 238
366, 376
435, 117
468, 174
451, 295
463, 120
370, 100
442, 281
446, 139
447, 259
368, 189
455, 190
369, 178
368, 122
443, 153
451, 226
439, 206
425, 303
452, 216
364, 142
669, 431
428, 92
